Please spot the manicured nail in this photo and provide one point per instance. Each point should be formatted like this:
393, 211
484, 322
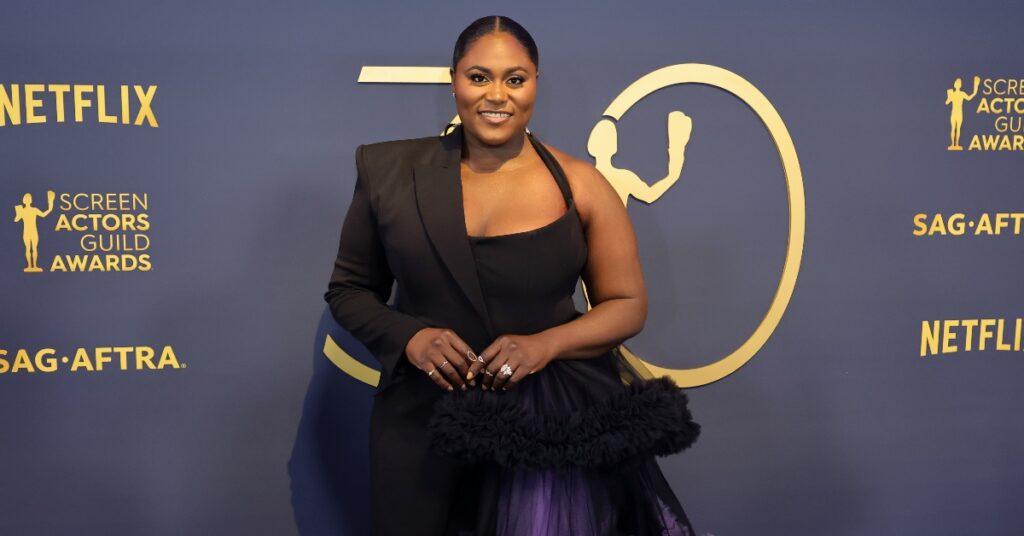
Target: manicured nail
450, 388
463, 387
473, 383
470, 375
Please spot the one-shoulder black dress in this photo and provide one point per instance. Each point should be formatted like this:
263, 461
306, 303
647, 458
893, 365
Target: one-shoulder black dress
571, 450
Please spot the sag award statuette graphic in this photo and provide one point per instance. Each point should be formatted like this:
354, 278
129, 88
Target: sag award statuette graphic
27, 215
955, 97
603, 144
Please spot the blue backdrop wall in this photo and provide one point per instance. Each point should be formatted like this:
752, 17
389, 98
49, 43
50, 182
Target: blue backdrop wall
163, 371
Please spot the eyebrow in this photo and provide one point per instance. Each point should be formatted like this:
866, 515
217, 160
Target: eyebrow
488, 71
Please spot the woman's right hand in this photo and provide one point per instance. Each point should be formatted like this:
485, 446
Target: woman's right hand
430, 348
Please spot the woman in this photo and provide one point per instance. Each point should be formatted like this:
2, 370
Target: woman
502, 409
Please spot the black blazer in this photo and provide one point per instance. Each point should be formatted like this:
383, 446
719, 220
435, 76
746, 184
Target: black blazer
406, 224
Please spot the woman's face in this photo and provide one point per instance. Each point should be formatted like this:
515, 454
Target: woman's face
495, 74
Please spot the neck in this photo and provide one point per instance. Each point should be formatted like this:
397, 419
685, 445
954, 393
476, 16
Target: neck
483, 158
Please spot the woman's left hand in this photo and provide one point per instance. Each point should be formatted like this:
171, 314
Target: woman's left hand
524, 354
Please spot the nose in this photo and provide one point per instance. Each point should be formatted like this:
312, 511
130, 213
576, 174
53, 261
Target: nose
496, 93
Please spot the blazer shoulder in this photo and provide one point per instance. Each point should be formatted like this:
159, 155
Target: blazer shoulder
399, 153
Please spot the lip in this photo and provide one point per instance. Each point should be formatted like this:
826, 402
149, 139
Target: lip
495, 120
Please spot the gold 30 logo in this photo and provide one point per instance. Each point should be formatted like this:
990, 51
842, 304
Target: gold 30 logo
602, 145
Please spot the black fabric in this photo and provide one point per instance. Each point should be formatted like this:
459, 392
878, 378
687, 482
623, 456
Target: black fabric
647, 418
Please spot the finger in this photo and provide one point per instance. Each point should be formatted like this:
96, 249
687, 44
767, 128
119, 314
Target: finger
445, 359
477, 368
445, 367
446, 344
491, 371
493, 348
501, 379
489, 354
512, 358
462, 347
520, 373
474, 370
474, 363
486, 377
457, 367
438, 378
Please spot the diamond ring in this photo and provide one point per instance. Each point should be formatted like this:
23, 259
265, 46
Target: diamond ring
506, 370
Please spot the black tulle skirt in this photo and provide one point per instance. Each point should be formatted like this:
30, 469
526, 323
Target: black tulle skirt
569, 452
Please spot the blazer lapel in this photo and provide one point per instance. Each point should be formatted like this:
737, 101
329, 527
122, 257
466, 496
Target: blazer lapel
438, 184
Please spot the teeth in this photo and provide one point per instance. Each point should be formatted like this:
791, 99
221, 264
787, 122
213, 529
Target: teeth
496, 114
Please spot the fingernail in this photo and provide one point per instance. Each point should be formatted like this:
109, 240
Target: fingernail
473, 383
463, 387
450, 388
469, 376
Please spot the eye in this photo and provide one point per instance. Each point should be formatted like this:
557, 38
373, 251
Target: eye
473, 77
517, 80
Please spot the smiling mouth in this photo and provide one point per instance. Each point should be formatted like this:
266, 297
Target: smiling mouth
495, 117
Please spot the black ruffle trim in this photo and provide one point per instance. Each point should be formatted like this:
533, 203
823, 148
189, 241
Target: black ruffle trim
649, 417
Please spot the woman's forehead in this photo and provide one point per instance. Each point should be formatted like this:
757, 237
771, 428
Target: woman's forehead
497, 51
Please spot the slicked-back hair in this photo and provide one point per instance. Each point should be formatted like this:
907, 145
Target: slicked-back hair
492, 24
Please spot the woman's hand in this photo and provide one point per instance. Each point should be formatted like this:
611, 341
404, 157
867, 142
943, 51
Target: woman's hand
442, 350
524, 354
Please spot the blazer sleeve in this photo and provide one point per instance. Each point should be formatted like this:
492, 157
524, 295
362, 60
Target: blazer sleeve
361, 282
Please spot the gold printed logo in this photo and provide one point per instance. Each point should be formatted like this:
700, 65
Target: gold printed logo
1002, 100
112, 231
41, 103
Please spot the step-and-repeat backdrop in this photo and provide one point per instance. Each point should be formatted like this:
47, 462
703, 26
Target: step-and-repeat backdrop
832, 251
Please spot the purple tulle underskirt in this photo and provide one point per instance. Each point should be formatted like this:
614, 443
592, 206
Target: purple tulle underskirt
549, 502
